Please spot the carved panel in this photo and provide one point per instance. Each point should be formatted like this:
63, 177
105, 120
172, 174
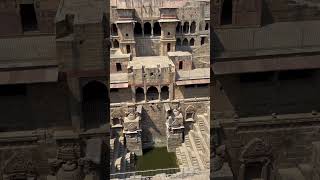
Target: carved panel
20, 166
256, 148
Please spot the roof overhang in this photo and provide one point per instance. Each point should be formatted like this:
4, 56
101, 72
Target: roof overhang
267, 64
193, 81
26, 76
119, 85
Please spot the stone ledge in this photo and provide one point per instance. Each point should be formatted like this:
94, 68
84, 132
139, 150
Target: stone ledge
19, 136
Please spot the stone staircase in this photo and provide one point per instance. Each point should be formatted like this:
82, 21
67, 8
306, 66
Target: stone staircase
194, 152
120, 159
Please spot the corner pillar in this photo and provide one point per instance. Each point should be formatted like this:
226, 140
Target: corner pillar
133, 90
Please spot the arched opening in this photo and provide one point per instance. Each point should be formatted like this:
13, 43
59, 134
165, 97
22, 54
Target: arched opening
190, 112
203, 40
128, 49
139, 94
116, 121
152, 93
191, 42
193, 27
180, 65
114, 30
189, 115
94, 104
147, 28
185, 42
28, 17
178, 42
137, 29
226, 14
115, 44
119, 67
168, 47
157, 29
164, 93
207, 26
253, 170
178, 28
186, 27
259, 167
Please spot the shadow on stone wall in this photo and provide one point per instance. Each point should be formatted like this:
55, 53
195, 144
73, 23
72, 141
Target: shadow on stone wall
151, 120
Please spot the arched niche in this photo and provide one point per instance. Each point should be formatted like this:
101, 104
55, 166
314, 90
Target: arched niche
114, 30
152, 93
193, 27
255, 160
164, 93
157, 29
147, 29
139, 94
226, 13
94, 104
137, 29
186, 27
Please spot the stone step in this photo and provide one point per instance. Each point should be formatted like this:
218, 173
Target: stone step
195, 151
187, 141
178, 155
187, 156
202, 147
203, 123
184, 160
195, 161
203, 139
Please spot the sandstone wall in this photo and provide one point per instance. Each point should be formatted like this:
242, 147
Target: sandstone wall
38, 155
182, 92
147, 46
91, 48
253, 12
265, 97
290, 142
121, 95
10, 14
43, 105
153, 125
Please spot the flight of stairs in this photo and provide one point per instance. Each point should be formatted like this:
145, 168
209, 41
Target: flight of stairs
120, 159
194, 152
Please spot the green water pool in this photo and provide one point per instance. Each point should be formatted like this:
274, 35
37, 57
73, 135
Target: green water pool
156, 158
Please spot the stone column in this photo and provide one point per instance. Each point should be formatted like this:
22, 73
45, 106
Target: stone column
75, 102
142, 27
159, 92
171, 92
189, 28
242, 172
152, 28
133, 89
145, 93
264, 171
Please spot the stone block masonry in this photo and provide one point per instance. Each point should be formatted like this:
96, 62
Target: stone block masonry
153, 125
